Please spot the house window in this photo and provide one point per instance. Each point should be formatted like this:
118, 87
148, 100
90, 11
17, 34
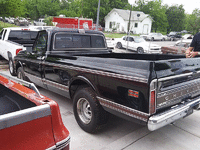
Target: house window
136, 25
112, 25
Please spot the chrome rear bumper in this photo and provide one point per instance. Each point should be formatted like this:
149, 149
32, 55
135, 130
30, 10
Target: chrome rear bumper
169, 116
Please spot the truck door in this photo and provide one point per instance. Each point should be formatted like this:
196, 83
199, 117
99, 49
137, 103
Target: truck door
3, 46
34, 68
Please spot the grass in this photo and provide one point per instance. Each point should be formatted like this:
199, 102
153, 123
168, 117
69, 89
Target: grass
117, 35
5, 25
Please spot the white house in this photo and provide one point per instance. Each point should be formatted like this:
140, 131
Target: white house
118, 19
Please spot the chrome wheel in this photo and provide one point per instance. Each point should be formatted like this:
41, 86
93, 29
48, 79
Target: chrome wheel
84, 110
20, 73
119, 45
140, 50
11, 69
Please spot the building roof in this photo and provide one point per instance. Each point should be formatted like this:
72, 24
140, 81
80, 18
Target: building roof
135, 15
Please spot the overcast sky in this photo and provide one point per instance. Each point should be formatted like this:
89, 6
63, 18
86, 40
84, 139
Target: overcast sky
189, 5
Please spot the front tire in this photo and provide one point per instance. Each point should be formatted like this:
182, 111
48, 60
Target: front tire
140, 50
88, 113
11, 68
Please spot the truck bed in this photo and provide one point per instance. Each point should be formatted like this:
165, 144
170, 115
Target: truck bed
11, 101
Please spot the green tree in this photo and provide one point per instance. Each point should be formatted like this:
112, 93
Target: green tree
193, 21
39, 8
12, 8
176, 17
49, 7
156, 11
89, 8
71, 8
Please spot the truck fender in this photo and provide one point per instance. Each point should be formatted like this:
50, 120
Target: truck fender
18, 64
84, 80
9, 55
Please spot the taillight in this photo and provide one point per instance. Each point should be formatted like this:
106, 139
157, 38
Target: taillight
152, 107
18, 50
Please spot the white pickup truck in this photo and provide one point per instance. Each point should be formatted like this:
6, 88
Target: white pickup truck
39, 22
15, 39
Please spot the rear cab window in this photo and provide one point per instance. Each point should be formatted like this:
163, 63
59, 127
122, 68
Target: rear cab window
65, 40
22, 35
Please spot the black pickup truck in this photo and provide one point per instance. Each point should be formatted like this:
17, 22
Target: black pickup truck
150, 89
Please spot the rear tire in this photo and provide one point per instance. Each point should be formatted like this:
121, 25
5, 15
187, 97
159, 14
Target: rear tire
119, 45
20, 73
11, 68
88, 113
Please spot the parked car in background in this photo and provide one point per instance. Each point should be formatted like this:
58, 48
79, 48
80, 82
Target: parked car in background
184, 31
110, 42
39, 22
20, 21
137, 44
6, 19
1, 18
174, 36
179, 48
11, 20
153, 36
187, 36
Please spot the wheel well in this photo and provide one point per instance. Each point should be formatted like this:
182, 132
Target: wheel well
17, 66
140, 47
75, 85
9, 55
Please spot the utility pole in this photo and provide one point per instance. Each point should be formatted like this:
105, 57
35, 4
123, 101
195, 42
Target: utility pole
97, 23
128, 30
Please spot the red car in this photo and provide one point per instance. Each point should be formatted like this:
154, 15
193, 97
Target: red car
179, 48
28, 120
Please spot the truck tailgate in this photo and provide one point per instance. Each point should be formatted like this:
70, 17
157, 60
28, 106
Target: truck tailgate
178, 80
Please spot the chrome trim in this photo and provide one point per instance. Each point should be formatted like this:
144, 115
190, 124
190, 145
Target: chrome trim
103, 73
57, 85
60, 145
175, 76
25, 115
160, 120
48, 82
52, 148
114, 75
124, 109
23, 82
